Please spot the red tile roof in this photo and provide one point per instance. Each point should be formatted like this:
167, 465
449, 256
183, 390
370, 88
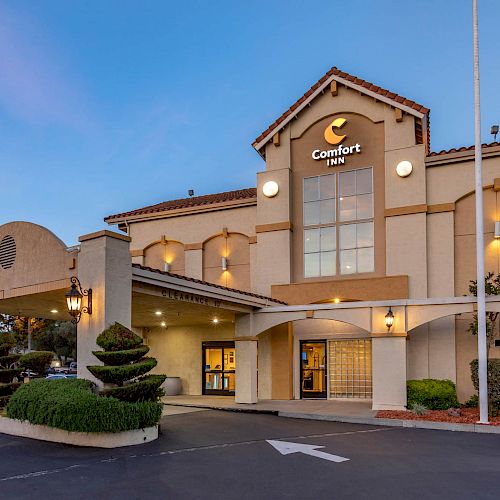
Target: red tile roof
201, 282
194, 201
462, 149
355, 80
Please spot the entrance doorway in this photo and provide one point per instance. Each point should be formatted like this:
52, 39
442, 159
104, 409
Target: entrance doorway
313, 370
218, 369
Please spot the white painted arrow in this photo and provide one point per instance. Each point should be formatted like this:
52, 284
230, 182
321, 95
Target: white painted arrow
286, 448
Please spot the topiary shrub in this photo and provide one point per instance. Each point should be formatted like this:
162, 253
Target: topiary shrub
9, 370
124, 362
71, 404
36, 361
432, 393
493, 381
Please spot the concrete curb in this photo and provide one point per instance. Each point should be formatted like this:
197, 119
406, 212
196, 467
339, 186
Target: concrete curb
91, 439
224, 408
392, 422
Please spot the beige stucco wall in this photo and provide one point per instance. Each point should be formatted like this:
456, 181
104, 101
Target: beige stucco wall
179, 351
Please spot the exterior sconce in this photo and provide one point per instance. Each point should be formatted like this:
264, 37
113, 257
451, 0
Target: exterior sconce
270, 189
74, 298
167, 267
404, 168
497, 229
389, 319
224, 263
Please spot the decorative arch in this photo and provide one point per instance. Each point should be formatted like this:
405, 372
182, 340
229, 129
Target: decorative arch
165, 251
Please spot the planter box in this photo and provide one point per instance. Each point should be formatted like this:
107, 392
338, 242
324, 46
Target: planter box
93, 439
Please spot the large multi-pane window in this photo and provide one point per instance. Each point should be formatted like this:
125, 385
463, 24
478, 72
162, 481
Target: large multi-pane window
338, 223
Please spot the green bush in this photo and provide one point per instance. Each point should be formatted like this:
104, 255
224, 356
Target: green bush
118, 338
119, 374
70, 404
8, 389
8, 360
146, 388
493, 380
6, 376
432, 393
115, 358
37, 361
7, 342
472, 402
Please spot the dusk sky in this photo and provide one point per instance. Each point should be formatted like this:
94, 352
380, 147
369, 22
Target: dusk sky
111, 105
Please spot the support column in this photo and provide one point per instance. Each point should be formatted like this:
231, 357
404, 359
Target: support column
104, 264
246, 371
389, 372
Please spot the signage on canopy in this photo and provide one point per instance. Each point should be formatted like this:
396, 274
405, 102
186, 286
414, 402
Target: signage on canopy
335, 156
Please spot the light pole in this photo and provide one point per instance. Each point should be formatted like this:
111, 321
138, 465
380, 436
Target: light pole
481, 296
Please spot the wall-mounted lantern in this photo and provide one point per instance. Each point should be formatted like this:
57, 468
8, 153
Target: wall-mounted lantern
389, 319
224, 263
166, 267
74, 298
270, 189
497, 229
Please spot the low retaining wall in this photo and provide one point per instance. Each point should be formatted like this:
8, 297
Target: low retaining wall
93, 439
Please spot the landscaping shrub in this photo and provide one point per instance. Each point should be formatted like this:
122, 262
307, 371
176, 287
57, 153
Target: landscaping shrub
71, 404
118, 338
8, 368
144, 389
37, 361
119, 374
124, 362
432, 393
472, 402
493, 381
116, 358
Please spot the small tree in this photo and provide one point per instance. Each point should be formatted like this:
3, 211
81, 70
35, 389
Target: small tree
36, 361
8, 368
125, 366
492, 287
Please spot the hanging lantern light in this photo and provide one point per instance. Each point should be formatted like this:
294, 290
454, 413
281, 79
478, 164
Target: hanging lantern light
74, 298
389, 319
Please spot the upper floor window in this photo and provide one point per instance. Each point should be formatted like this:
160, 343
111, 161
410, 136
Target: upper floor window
338, 228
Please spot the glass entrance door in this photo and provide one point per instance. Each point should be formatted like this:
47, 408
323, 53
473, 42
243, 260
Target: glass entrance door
219, 366
313, 369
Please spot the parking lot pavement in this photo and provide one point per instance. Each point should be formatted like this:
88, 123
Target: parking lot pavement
222, 455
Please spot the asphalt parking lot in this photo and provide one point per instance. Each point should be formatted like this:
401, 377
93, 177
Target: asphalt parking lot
224, 455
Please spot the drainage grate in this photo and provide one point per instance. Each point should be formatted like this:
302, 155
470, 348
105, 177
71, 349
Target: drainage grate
7, 252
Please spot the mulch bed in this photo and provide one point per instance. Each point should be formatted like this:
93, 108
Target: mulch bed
467, 416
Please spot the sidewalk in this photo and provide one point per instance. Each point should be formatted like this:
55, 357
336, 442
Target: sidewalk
354, 412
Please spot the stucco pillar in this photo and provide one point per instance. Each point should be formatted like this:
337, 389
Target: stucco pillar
104, 264
389, 372
246, 371
193, 263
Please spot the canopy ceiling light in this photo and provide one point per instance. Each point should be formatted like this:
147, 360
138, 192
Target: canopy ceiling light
389, 319
74, 298
404, 168
270, 189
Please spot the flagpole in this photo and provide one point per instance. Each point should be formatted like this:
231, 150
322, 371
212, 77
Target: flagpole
481, 295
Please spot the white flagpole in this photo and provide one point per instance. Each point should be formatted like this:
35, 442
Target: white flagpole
481, 299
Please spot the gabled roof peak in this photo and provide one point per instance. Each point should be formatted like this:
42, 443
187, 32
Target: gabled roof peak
349, 81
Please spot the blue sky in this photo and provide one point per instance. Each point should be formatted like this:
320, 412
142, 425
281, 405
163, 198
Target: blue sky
110, 105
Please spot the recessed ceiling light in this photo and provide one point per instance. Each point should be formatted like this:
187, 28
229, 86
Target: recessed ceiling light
163, 323
158, 313
215, 321
336, 300
54, 311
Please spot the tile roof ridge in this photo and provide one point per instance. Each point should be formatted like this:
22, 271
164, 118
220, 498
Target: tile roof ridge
194, 201
462, 149
202, 282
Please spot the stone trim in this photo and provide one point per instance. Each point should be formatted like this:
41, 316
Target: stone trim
441, 207
193, 246
105, 232
277, 226
408, 210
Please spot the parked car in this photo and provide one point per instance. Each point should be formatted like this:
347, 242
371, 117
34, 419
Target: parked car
56, 376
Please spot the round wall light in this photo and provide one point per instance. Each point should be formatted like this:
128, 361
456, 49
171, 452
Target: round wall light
404, 168
270, 189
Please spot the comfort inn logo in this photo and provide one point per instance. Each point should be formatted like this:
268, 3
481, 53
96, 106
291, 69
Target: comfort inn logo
337, 155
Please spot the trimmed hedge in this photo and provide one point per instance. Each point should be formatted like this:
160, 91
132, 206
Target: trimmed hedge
493, 380
8, 389
6, 376
10, 359
118, 338
7, 342
37, 361
146, 388
119, 374
432, 393
115, 358
71, 404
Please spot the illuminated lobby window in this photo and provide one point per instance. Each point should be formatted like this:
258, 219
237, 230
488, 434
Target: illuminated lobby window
343, 222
